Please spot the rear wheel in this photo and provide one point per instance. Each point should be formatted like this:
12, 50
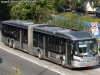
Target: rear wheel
13, 45
9, 44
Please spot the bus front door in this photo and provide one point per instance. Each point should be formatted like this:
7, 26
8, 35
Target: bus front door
68, 45
21, 39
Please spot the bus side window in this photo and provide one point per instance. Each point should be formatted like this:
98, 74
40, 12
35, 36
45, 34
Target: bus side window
57, 44
35, 38
62, 47
25, 36
40, 40
50, 43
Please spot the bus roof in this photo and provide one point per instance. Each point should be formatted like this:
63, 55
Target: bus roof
52, 30
64, 32
18, 23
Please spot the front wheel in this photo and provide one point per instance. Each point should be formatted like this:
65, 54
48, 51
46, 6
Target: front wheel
62, 63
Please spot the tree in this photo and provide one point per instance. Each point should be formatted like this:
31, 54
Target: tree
96, 3
23, 10
4, 11
70, 23
44, 9
39, 11
61, 5
76, 4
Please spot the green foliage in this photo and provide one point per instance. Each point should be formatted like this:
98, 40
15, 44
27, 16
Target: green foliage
4, 11
69, 15
96, 3
70, 23
18, 72
90, 19
82, 18
44, 9
23, 11
40, 11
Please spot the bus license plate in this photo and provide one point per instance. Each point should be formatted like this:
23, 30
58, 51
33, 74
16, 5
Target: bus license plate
88, 65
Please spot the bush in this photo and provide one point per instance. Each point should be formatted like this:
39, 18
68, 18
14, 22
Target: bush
90, 19
83, 18
18, 72
69, 15
70, 23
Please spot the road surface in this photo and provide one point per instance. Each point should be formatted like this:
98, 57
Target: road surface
30, 65
9, 61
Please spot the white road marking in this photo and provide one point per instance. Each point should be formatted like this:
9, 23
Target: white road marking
34, 62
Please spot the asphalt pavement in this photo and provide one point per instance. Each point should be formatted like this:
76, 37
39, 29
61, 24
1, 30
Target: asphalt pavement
9, 61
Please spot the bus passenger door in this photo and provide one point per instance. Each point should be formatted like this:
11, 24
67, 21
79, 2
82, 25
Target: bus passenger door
21, 39
25, 40
68, 52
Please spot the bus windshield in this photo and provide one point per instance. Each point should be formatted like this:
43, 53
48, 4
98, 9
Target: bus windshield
86, 48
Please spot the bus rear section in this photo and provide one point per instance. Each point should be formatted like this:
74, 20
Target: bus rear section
15, 34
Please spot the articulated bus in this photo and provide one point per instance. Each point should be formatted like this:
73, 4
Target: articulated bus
68, 47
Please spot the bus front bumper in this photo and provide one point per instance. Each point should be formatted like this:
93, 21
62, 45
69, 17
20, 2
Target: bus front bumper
84, 64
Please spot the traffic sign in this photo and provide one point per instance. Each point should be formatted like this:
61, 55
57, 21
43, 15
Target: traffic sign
94, 27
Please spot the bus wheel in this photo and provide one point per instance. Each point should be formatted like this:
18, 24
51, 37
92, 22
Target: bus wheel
9, 43
13, 45
39, 55
62, 63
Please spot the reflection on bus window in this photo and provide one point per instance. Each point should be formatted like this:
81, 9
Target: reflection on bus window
35, 39
62, 46
40, 40
86, 48
25, 39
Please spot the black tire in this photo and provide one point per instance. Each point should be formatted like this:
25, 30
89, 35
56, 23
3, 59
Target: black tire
62, 63
13, 45
9, 44
39, 55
